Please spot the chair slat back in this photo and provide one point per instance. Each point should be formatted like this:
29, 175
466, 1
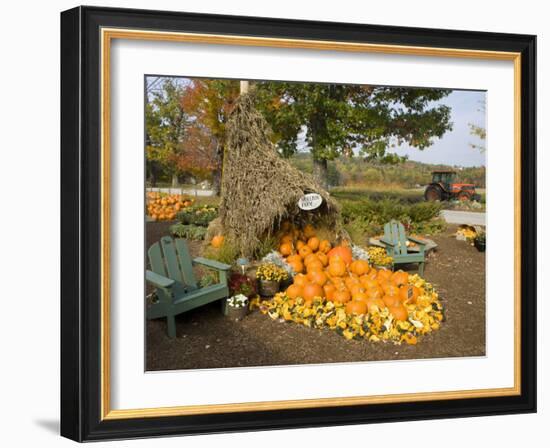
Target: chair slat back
171, 259
186, 264
402, 237
390, 235
155, 259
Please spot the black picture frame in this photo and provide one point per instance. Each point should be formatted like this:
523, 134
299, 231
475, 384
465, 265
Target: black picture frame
81, 224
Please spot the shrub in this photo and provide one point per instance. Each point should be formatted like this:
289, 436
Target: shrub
432, 227
360, 230
267, 245
367, 217
208, 279
188, 231
384, 210
227, 253
199, 215
423, 211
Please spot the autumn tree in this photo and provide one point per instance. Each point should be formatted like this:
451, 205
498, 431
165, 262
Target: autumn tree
209, 102
196, 154
165, 125
337, 119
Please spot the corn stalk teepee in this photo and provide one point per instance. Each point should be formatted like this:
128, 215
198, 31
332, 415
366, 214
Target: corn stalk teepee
260, 189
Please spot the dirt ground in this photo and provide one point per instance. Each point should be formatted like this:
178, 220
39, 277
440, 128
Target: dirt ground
206, 339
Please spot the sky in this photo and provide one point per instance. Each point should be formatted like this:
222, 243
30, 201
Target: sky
454, 147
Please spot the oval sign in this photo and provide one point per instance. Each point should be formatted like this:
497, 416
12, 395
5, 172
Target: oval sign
310, 201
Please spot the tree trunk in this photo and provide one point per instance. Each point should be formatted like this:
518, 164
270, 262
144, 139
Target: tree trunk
320, 172
216, 181
217, 173
174, 181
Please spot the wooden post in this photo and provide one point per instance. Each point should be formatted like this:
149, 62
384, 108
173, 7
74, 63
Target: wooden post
244, 87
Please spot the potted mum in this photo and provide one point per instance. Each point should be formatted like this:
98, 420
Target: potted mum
480, 241
236, 307
269, 277
379, 258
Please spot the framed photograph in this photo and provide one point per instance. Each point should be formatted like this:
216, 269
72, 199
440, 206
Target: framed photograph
273, 223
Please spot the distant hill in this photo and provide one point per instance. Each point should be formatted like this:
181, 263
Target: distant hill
348, 171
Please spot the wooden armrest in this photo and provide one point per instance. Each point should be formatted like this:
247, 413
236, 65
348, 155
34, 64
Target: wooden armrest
160, 281
212, 264
386, 241
417, 240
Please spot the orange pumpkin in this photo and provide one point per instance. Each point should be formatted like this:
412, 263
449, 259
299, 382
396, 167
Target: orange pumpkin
356, 288
378, 303
318, 277
305, 251
356, 307
390, 289
372, 274
360, 296
315, 266
341, 295
309, 231
351, 281
336, 267
391, 301
294, 291
359, 267
343, 252
297, 266
325, 246
313, 243
286, 249
338, 282
323, 258
310, 258
312, 290
383, 275
329, 290
294, 257
300, 279
368, 282
375, 292
287, 238
408, 293
400, 278
399, 312
300, 244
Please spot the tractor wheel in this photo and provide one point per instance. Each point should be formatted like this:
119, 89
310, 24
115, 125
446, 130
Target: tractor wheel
463, 196
433, 193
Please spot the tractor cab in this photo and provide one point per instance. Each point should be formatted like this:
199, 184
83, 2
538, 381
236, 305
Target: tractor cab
444, 178
444, 187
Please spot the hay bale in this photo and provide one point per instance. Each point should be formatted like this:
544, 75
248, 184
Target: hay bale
260, 189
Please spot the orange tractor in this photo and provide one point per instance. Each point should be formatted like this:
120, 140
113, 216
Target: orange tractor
444, 187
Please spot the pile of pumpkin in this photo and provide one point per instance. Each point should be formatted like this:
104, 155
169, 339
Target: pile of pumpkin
332, 290
164, 207
299, 247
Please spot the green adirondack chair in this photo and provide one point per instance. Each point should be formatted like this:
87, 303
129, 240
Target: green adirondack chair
395, 240
176, 287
